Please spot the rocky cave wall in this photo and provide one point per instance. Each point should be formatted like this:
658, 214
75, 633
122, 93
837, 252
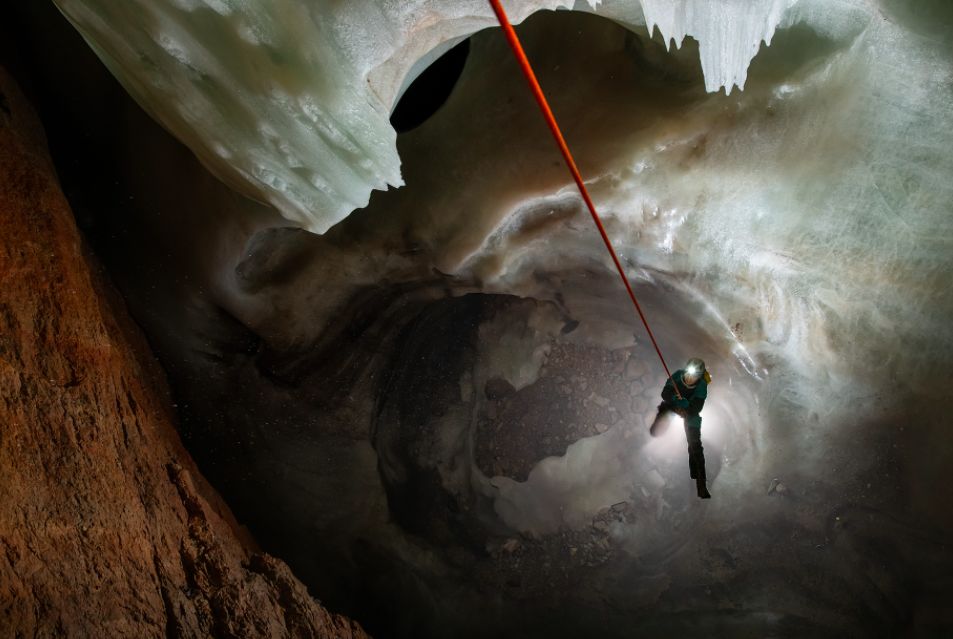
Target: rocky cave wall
106, 526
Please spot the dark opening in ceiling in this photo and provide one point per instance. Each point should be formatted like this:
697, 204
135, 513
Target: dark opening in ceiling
430, 90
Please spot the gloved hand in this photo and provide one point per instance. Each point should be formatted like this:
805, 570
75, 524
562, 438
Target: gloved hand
681, 407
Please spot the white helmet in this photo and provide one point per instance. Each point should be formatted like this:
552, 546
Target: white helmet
694, 369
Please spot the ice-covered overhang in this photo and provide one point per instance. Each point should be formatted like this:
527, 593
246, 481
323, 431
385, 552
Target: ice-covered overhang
287, 101
812, 203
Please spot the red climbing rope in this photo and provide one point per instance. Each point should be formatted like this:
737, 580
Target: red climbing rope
571, 164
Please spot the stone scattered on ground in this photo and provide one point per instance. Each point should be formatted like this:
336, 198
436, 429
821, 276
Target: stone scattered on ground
581, 392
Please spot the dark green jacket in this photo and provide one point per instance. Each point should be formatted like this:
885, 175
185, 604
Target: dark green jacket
696, 396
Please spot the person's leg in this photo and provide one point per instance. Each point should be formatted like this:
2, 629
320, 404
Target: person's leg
661, 421
692, 467
696, 454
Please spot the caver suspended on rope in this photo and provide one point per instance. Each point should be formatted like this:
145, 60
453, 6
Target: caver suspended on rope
676, 393
684, 395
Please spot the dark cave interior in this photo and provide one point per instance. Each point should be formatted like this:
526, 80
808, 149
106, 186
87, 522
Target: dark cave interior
452, 452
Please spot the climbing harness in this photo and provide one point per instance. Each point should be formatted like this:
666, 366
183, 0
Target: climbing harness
517, 48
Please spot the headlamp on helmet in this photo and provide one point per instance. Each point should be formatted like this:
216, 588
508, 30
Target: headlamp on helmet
695, 368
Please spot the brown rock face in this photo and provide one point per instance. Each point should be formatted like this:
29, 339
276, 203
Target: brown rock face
106, 527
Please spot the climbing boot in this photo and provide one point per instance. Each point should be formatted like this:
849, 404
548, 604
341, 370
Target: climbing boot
659, 425
702, 489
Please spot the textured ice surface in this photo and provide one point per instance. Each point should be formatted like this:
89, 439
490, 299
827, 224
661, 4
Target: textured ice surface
729, 32
806, 220
288, 101
264, 93
796, 234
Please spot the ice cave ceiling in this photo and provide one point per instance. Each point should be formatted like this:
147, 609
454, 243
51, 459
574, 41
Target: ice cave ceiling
431, 400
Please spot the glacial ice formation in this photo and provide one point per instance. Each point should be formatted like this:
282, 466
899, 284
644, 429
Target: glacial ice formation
367, 387
287, 101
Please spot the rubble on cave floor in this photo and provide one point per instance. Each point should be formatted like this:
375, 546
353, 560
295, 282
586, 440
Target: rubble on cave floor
529, 566
581, 392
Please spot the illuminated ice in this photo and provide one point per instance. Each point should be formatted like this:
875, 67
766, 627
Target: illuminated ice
729, 32
796, 235
288, 101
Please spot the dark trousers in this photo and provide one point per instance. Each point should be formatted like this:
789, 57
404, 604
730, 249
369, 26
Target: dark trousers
693, 433
696, 454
